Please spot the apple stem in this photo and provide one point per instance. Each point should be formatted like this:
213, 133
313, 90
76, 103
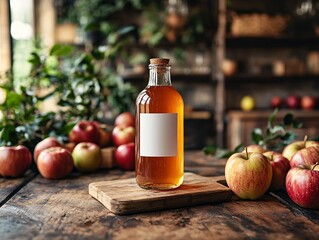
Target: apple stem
246, 150
316, 164
305, 140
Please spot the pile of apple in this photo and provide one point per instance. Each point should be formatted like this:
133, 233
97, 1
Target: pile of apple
295, 102
123, 136
89, 148
255, 171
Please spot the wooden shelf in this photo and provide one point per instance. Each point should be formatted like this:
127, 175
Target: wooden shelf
193, 78
271, 42
198, 115
264, 78
267, 112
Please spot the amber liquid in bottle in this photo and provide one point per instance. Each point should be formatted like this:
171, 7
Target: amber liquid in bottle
159, 97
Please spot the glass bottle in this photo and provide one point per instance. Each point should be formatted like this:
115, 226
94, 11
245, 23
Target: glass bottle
159, 153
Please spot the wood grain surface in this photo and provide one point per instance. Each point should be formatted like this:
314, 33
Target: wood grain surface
10, 186
63, 209
126, 197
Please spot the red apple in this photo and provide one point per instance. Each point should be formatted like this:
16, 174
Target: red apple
294, 147
305, 156
308, 102
122, 135
55, 163
125, 156
14, 161
125, 119
229, 67
293, 102
280, 167
276, 102
87, 156
85, 131
302, 185
255, 148
105, 134
105, 137
248, 175
45, 144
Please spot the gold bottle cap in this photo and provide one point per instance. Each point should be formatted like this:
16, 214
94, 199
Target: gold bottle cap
159, 61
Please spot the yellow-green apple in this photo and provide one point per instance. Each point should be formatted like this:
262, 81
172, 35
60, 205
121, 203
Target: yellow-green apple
125, 156
55, 163
308, 102
85, 131
247, 103
280, 167
122, 135
248, 175
302, 185
293, 102
306, 156
45, 144
294, 147
87, 156
255, 148
125, 119
14, 161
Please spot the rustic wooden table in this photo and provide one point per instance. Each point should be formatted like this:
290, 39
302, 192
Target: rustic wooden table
36, 208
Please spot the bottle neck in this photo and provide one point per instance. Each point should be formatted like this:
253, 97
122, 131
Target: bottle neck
159, 75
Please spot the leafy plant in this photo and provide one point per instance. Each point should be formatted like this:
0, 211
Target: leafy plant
83, 84
279, 135
275, 138
222, 153
94, 15
22, 122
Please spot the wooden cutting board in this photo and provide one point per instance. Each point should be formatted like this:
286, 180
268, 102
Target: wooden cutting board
126, 197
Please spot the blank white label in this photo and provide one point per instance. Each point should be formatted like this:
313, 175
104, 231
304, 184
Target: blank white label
158, 134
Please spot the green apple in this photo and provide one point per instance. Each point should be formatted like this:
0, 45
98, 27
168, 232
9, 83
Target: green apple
294, 147
247, 103
87, 156
248, 175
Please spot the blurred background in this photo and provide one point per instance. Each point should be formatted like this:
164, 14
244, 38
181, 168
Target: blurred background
232, 61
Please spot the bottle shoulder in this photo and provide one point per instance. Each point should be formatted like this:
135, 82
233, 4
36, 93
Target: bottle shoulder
158, 92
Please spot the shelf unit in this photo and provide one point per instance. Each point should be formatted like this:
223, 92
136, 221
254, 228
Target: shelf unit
222, 86
264, 79
271, 42
230, 121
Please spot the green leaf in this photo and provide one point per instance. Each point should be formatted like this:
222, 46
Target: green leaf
210, 150
297, 124
14, 100
239, 148
272, 118
288, 119
60, 50
257, 136
125, 30
7, 135
277, 129
34, 59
